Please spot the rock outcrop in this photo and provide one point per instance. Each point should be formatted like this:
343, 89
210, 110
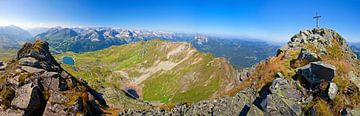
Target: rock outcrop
284, 98
35, 84
319, 38
332, 90
316, 72
308, 55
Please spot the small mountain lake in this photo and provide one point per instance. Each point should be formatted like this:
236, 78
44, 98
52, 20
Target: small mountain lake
68, 60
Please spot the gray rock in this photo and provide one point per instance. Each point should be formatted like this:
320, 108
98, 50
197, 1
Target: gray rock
56, 110
50, 74
354, 78
56, 97
29, 61
317, 71
51, 83
277, 105
355, 112
2, 66
308, 55
284, 98
27, 98
12, 112
284, 88
55, 105
332, 90
14, 81
255, 111
32, 69
350, 112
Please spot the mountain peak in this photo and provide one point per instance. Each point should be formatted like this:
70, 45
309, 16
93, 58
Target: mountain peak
322, 40
36, 84
40, 51
321, 36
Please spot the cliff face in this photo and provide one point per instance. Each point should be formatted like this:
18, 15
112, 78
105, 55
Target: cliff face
35, 84
316, 73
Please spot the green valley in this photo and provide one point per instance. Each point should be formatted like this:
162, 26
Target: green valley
159, 71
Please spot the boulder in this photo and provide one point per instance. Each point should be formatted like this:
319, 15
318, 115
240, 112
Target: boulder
32, 69
332, 90
308, 55
29, 61
2, 66
315, 72
277, 105
284, 98
285, 88
27, 98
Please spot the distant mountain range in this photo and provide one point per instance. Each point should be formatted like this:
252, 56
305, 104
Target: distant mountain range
37, 30
241, 53
356, 48
12, 37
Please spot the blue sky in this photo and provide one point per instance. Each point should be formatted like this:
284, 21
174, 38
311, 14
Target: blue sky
272, 20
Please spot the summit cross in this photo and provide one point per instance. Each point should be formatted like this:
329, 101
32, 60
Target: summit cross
317, 17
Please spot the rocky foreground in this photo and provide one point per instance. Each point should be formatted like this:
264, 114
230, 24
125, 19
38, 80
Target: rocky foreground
35, 84
316, 73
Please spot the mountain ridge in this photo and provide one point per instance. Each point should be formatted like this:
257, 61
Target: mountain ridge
315, 73
92, 39
12, 37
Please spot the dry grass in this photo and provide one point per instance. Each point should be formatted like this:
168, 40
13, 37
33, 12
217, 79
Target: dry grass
322, 108
265, 73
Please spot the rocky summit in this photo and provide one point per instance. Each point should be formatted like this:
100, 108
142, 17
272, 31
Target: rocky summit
316, 73
35, 84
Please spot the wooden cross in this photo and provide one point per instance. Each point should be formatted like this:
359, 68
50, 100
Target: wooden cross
317, 17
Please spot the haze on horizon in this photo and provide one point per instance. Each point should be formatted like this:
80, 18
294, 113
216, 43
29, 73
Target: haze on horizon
270, 20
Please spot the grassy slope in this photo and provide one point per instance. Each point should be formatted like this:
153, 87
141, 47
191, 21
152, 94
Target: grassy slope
197, 78
7, 55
